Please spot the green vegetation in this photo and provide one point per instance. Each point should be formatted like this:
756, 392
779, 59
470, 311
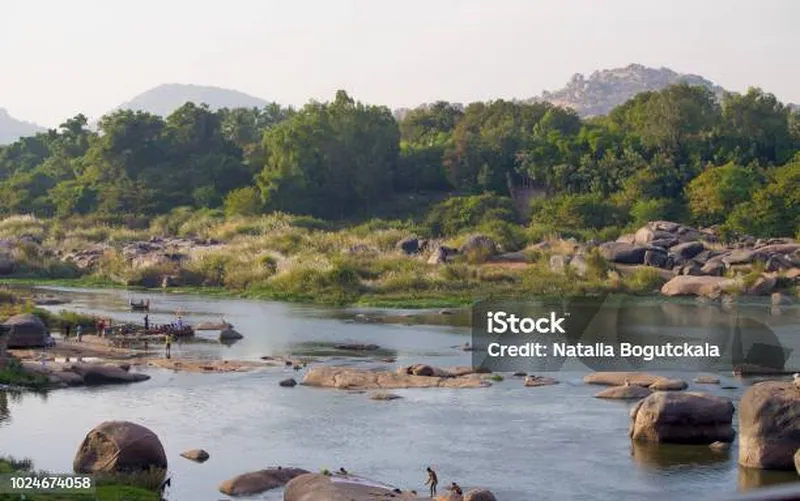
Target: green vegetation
14, 375
142, 487
310, 204
677, 153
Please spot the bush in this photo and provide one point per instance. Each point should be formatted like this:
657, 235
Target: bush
576, 212
654, 209
461, 214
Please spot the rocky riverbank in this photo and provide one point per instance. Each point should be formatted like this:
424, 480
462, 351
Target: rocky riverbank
397, 268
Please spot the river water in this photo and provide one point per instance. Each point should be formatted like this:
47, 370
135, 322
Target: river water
555, 442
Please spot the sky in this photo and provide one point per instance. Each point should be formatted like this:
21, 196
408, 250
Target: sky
60, 58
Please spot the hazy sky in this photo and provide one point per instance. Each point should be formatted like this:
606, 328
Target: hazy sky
59, 58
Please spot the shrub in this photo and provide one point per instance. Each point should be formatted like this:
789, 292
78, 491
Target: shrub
576, 212
460, 214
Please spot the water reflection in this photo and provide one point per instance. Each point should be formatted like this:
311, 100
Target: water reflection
752, 478
664, 456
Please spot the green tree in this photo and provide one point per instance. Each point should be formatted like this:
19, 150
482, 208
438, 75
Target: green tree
774, 210
243, 202
712, 194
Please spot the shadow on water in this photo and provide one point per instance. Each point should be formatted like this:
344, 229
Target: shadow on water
665, 456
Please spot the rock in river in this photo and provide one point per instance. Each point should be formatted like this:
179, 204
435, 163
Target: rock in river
479, 495
315, 487
95, 374
535, 381
682, 417
669, 385
769, 426
229, 335
630, 392
196, 455
288, 383
348, 378
256, 482
120, 447
384, 395
621, 378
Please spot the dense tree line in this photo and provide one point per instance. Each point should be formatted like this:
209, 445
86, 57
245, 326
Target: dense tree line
677, 153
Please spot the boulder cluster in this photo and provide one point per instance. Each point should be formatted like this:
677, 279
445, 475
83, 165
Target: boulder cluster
698, 263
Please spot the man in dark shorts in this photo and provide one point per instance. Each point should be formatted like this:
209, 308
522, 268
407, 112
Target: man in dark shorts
433, 481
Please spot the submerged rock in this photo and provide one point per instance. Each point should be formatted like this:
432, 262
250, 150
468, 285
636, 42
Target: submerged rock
535, 381
769, 426
256, 482
706, 380
288, 383
682, 417
348, 378
622, 378
230, 334
196, 455
669, 385
384, 395
631, 392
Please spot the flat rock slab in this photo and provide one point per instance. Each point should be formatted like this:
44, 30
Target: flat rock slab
621, 378
631, 392
346, 378
536, 381
315, 487
706, 286
205, 366
706, 380
256, 482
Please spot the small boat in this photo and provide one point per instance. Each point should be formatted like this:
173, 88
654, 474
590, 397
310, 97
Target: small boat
140, 306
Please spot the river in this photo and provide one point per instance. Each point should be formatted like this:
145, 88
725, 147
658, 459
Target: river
555, 442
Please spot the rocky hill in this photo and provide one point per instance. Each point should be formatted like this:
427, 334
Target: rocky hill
601, 91
12, 129
166, 98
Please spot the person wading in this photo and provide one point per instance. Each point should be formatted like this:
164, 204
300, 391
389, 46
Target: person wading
433, 481
79, 332
147, 324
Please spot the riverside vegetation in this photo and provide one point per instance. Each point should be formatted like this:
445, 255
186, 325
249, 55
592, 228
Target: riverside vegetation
340, 202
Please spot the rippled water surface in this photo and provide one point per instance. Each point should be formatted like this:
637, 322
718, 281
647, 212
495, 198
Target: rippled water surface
553, 442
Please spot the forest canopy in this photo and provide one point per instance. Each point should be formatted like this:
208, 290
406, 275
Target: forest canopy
679, 153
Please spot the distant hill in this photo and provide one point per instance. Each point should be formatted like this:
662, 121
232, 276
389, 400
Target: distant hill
605, 89
166, 98
12, 129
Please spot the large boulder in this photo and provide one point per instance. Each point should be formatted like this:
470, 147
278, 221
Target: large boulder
316, 487
26, 331
688, 250
120, 447
657, 258
6, 264
441, 255
705, 286
687, 418
479, 244
409, 246
479, 495
624, 253
769, 426
256, 482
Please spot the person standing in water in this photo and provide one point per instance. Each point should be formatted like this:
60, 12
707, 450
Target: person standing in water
168, 345
147, 324
79, 332
433, 481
